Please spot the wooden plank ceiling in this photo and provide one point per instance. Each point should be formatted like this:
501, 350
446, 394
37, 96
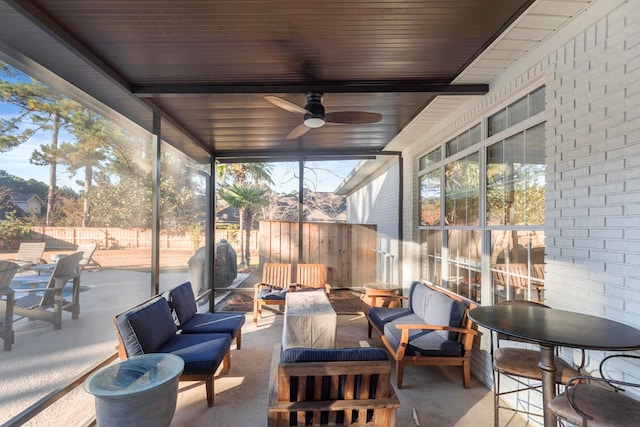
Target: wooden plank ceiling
207, 65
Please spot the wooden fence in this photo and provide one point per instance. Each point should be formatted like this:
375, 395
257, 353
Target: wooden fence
346, 249
129, 238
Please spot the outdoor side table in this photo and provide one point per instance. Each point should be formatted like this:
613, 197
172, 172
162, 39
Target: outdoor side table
384, 293
140, 391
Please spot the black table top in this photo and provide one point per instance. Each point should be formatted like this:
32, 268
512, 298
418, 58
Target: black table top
558, 327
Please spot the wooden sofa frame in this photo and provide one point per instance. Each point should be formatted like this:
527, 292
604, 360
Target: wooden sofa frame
379, 411
466, 334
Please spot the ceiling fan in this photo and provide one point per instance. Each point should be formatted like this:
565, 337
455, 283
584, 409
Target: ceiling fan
315, 116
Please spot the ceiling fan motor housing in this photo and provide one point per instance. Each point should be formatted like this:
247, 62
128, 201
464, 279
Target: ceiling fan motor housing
314, 118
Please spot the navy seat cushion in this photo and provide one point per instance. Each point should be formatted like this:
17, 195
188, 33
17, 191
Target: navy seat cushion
147, 327
381, 315
226, 323
183, 302
273, 294
424, 342
202, 353
296, 355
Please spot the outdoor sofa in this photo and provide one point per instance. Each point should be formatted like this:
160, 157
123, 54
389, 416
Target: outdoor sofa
434, 329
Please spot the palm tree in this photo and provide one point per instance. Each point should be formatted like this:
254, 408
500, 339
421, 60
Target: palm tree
248, 199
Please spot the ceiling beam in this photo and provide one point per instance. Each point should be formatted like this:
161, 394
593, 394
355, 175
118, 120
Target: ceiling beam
151, 90
230, 156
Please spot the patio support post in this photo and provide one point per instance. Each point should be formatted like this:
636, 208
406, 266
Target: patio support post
300, 206
400, 217
155, 204
210, 232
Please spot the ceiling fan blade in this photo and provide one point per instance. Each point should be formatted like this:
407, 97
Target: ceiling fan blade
298, 131
352, 117
286, 105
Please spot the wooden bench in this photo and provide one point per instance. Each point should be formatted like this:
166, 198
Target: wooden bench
434, 329
331, 387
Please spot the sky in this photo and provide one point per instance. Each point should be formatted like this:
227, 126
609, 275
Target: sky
16, 161
319, 176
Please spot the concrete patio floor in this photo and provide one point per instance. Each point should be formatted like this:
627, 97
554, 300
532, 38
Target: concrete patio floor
43, 360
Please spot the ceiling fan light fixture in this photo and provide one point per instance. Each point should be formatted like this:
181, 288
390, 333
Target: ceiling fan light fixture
314, 122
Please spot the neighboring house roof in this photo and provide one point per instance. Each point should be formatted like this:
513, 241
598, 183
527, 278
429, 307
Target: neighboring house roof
28, 203
227, 215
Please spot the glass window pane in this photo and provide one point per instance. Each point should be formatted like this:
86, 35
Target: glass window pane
430, 159
474, 135
462, 189
516, 179
497, 123
429, 205
182, 218
536, 102
452, 147
534, 172
517, 265
464, 263
431, 255
518, 111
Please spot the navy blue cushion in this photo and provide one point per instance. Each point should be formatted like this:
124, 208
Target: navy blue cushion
147, 327
183, 302
273, 294
225, 323
296, 355
202, 353
381, 315
423, 342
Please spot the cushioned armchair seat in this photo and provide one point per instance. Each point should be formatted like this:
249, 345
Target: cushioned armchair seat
424, 342
183, 302
202, 353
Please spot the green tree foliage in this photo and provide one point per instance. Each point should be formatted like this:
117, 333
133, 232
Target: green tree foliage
114, 163
40, 108
12, 228
242, 186
248, 199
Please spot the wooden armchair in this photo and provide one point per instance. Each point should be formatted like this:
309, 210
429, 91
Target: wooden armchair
276, 280
312, 276
48, 303
7, 270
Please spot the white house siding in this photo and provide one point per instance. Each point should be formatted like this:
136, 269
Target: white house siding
591, 69
377, 203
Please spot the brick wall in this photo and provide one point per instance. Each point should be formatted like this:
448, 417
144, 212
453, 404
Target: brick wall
593, 180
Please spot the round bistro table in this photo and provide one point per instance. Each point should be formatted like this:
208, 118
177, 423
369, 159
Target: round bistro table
550, 328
